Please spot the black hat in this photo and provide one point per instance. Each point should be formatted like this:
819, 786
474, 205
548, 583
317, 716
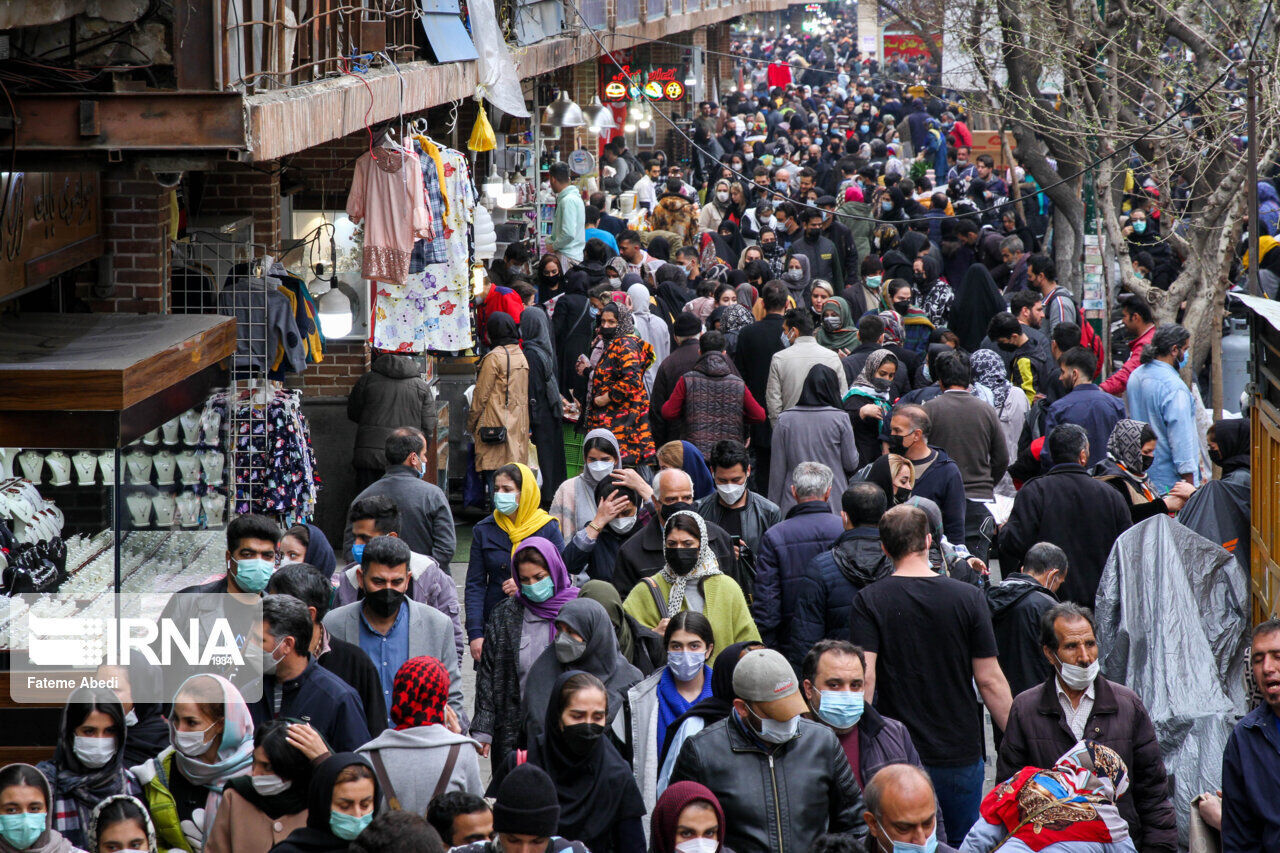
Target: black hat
686, 325
526, 803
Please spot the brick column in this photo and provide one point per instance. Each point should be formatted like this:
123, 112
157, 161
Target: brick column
235, 188
344, 363
135, 215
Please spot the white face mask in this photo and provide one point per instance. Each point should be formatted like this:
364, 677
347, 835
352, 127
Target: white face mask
190, 744
1077, 677
730, 493
722, 197
94, 752
600, 468
698, 845
269, 785
622, 525
773, 731
131, 718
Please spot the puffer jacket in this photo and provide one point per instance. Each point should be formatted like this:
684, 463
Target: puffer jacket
824, 592
859, 229
393, 394
675, 213
1037, 735
809, 529
776, 800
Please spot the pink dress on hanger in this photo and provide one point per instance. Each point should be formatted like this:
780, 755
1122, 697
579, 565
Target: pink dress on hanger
387, 193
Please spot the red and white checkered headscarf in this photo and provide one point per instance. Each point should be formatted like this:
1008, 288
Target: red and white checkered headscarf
419, 693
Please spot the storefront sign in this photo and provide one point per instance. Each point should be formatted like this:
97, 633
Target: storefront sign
908, 44
656, 83
50, 224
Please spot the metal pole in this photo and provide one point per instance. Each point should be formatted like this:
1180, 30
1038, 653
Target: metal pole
1254, 226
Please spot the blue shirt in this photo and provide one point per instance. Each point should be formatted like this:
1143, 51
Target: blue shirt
604, 237
1087, 406
387, 651
1158, 396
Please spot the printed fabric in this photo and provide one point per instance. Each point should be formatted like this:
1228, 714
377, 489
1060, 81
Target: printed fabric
620, 374
419, 693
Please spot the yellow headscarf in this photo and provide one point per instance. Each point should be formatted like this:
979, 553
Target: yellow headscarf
530, 517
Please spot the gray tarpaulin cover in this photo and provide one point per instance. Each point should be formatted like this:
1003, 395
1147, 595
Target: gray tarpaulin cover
1172, 625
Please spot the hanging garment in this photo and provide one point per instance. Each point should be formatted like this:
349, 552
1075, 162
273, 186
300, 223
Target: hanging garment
387, 195
435, 249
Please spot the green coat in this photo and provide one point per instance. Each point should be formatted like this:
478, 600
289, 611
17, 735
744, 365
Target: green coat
860, 228
154, 777
726, 608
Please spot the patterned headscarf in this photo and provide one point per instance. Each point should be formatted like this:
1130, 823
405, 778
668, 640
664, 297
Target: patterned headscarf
869, 367
894, 331
707, 564
736, 317
989, 372
618, 264
95, 827
419, 693
1125, 447
626, 323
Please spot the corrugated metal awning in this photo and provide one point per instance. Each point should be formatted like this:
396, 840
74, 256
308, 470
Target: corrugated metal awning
449, 39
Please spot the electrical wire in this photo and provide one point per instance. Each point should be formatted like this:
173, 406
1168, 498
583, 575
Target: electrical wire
918, 220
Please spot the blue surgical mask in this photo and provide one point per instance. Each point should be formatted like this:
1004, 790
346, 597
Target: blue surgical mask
346, 826
357, 551
252, 575
538, 591
22, 830
506, 502
864, 128
781, 186
685, 666
929, 846
841, 709
886, 206
786, 340
422, 469
1182, 362
1139, 226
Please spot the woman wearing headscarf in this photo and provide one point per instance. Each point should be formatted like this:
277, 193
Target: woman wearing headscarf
867, 402
991, 383
937, 295
572, 326
691, 579
517, 515
549, 277
797, 278
306, 543
687, 457
584, 640
898, 296
600, 804
641, 647
619, 401
731, 234
498, 419
816, 429
545, 409
719, 203
212, 736
650, 327
260, 810
774, 256
682, 810
341, 801
1129, 453
836, 328
121, 823
1070, 807
419, 757
147, 732
735, 319
673, 293
574, 504
29, 824
88, 762
1220, 509
977, 301
517, 632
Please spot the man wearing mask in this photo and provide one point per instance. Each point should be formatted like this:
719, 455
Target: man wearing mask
1158, 396
1027, 306
745, 515
390, 627
1028, 367
687, 257
426, 521
938, 477
1075, 703
790, 366
902, 812
1017, 604
296, 687
782, 780
1085, 404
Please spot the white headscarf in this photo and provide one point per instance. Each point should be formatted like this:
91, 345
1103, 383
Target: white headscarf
706, 566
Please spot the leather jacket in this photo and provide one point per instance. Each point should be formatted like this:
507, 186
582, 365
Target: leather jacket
776, 798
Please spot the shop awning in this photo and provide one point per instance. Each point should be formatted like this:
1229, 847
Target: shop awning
449, 39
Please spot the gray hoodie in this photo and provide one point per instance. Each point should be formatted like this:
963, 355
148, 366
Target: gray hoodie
415, 760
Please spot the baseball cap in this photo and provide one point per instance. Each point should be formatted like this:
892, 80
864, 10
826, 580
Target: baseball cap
765, 679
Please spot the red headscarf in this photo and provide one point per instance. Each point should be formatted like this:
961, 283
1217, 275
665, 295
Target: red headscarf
419, 693
666, 814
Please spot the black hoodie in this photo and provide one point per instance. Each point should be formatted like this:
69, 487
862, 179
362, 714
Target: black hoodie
316, 836
1016, 607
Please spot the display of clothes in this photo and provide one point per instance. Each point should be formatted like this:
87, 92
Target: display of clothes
387, 196
277, 331
431, 309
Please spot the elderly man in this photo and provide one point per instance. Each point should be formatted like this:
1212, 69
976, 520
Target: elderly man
642, 554
901, 811
1251, 763
787, 549
1075, 703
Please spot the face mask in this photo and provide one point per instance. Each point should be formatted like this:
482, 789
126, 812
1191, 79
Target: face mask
1182, 362
94, 752
781, 186
886, 206
622, 525
609, 333
786, 341
506, 502
1007, 347
668, 510
873, 282
422, 469
901, 496
268, 660
880, 383
22, 830
384, 602
190, 744
864, 128
930, 845
593, 311
902, 306
252, 575
795, 275
770, 248
698, 845
831, 324
841, 709
538, 591
722, 197
681, 560
897, 444
685, 666
1148, 460
600, 469
568, 649
812, 233
772, 731
1078, 677
579, 738
269, 785
730, 493
357, 551
347, 827
131, 718
1139, 227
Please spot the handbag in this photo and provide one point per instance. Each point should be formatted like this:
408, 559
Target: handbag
498, 434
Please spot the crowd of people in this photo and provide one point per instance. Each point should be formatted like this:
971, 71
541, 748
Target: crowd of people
810, 408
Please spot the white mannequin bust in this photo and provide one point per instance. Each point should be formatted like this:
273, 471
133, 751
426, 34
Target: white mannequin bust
86, 465
152, 438
7, 456
59, 468
139, 509
165, 505
107, 464
139, 466
210, 424
212, 461
165, 465
215, 508
169, 432
190, 422
189, 509
188, 467
31, 464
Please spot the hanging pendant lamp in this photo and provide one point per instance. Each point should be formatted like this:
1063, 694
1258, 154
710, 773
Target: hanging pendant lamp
563, 112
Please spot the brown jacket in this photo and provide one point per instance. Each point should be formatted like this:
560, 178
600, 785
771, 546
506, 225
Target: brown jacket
241, 828
678, 214
501, 399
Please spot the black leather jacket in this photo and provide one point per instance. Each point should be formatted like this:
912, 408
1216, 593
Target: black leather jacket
776, 800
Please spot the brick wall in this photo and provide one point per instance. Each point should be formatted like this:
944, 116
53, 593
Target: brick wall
235, 188
344, 362
135, 215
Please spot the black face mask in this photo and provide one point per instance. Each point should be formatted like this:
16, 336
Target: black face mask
812, 233
1147, 460
609, 333
1007, 347
580, 738
769, 249
901, 496
681, 560
896, 444
668, 510
902, 306
384, 602
553, 280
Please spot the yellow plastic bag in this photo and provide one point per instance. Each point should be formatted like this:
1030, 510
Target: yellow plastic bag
482, 138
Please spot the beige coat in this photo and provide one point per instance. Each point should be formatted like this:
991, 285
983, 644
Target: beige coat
501, 399
241, 828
